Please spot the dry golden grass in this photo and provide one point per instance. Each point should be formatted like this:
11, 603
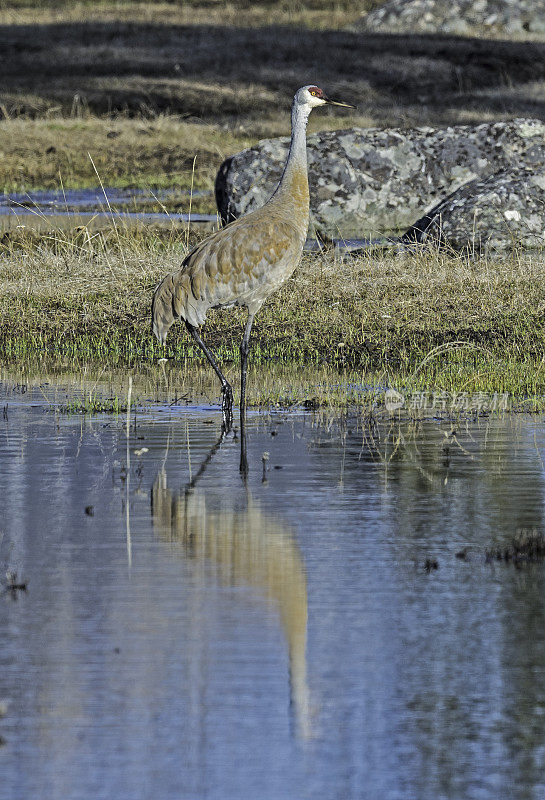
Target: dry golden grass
144, 153
318, 14
163, 152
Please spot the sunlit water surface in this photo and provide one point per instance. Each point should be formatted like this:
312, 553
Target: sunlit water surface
274, 638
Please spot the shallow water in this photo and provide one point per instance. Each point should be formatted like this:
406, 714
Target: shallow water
273, 638
92, 199
96, 207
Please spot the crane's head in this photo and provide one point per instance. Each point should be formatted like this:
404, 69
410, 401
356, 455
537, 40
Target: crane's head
313, 96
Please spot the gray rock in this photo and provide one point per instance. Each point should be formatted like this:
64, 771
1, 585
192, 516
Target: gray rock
366, 182
502, 212
506, 18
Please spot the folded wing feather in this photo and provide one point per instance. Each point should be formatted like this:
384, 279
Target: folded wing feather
242, 264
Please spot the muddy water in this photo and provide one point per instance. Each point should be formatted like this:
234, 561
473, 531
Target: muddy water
188, 634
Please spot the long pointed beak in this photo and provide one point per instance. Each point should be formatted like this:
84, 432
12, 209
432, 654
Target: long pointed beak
338, 103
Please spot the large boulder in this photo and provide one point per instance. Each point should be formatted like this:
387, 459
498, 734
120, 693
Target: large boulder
505, 18
502, 212
365, 182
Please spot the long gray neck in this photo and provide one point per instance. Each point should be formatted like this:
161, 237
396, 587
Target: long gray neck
294, 178
298, 147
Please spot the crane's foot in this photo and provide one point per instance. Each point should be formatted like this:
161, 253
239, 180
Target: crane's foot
227, 407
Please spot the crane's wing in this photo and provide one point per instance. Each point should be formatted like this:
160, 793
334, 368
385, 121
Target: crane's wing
241, 263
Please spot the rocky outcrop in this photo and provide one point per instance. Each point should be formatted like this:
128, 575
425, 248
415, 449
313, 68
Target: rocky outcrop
367, 182
502, 212
501, 18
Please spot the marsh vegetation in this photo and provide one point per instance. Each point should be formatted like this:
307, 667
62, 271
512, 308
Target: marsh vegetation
411, 320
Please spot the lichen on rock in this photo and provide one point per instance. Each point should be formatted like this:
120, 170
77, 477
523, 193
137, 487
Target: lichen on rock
369, 182
501, 18
502, 212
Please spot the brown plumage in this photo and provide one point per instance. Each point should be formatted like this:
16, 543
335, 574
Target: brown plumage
245, 262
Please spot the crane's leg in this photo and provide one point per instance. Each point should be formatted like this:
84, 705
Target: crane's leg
244, 347
226, 390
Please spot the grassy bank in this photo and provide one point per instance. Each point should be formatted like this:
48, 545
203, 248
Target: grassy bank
317, 14
49, 154
426, 320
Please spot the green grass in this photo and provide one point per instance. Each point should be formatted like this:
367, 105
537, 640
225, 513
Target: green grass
92, 404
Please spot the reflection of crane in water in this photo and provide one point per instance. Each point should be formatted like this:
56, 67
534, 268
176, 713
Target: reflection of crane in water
250, 548
245, 262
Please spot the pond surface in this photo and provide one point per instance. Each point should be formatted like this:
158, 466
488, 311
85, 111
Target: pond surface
189, 634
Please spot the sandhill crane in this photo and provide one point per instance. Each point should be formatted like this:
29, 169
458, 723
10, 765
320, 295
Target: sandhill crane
245, 262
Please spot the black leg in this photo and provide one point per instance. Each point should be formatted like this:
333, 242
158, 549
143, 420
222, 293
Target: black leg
226, 390
243, 469
244, 347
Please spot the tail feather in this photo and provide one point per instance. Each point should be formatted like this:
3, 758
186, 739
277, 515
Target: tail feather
164, 309
174, 299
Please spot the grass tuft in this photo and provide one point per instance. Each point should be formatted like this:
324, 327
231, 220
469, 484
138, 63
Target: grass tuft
93, 405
